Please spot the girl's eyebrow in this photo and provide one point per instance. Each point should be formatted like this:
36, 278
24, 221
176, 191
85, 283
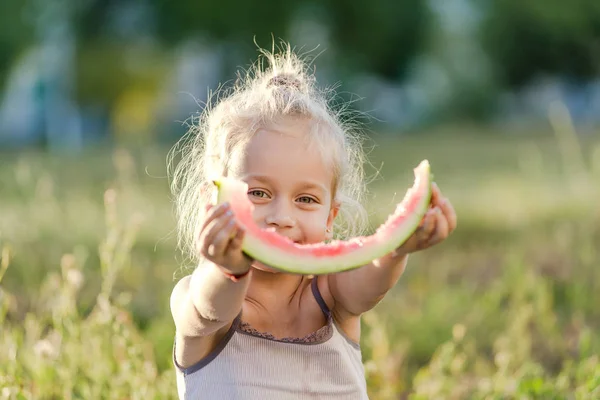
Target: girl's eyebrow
304, 185
312, 185
256, 177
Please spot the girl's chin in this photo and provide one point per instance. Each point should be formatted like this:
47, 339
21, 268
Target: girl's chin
262, 267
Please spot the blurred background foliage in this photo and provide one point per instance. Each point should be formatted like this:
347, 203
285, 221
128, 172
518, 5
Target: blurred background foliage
414, 63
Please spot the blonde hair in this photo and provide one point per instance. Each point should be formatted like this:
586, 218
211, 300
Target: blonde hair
259, 99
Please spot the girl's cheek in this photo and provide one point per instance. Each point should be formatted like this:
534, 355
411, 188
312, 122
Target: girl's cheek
258, 214
318, 227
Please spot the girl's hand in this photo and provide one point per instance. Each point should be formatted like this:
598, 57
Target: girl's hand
221, 239
437, 224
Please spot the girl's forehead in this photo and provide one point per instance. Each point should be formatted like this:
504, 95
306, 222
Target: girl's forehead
284, 153
270, 147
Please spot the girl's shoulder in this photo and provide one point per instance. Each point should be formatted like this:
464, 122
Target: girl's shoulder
348, 324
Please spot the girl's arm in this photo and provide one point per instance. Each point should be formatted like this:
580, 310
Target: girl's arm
357, 291
206, 300
212, 296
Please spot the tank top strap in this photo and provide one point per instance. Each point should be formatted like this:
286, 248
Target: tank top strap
319, 298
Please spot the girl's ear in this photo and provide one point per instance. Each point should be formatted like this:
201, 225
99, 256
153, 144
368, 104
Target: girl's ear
333, 212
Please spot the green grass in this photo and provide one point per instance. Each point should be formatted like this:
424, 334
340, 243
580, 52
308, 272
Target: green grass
505, 308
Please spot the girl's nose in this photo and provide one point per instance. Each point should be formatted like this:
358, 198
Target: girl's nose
280, 216
280, 221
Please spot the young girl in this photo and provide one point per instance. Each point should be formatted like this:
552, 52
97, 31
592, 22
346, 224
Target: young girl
244, 331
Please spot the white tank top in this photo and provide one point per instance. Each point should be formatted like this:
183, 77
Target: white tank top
248, 365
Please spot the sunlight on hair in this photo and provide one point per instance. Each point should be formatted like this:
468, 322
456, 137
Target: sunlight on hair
264, 97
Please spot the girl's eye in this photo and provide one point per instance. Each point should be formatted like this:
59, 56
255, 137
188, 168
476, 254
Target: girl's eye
306, 199
257, 193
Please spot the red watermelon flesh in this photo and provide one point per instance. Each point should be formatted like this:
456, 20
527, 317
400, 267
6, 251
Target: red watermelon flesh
281, 253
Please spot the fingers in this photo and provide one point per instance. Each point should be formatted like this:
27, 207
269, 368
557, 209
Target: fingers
421, 235
217, 247
220, 237
437, 200
237, 241
449, 214
436, 194
441, 231
216, 232
436, 225
214, 212
427, 226
425, 231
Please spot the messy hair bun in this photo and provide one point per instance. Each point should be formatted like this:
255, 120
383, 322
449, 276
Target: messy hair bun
285, 81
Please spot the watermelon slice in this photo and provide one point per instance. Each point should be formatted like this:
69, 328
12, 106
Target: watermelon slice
281, 253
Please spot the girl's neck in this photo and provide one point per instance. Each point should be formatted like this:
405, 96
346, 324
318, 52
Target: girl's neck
274, 290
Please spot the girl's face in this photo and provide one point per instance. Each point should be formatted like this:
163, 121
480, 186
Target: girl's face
290, 185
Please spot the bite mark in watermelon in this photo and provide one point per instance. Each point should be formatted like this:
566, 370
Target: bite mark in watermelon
281, 253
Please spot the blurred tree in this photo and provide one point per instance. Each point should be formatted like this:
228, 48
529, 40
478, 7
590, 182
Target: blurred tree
125, 43
223, 20
110, 58
92, 17
524, 38
378, 36
16, 33
230, 23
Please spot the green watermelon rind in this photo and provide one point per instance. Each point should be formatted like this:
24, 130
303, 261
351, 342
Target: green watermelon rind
306, 263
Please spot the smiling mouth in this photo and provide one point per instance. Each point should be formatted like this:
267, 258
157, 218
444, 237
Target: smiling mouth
272, 229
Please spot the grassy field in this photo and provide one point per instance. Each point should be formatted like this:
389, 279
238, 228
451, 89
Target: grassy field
508, 307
